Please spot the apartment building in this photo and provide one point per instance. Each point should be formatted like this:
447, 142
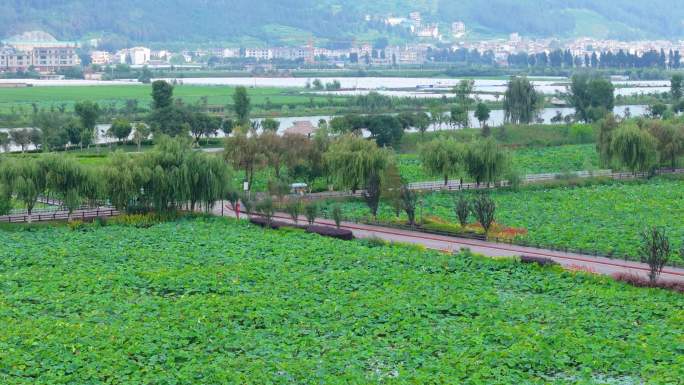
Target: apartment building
37, 50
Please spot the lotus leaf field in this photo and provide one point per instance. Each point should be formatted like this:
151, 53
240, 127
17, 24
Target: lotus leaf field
528, 160
212, 301
604, 218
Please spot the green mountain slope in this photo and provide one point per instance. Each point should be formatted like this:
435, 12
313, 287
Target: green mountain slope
272, 21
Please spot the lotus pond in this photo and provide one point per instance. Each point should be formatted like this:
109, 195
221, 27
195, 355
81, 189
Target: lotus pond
607, 218
212, 301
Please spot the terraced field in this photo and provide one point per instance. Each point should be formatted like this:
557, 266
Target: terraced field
211, 301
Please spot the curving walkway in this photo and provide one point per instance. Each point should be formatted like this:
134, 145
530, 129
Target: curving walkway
571, 261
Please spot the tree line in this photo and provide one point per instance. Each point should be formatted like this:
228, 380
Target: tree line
640, 145
169, 177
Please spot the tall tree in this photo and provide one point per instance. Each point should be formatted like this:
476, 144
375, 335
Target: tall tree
655, 250
670, 141
386, 130
162, 94
30, 182
241, 105
372, 193
605, 138
463, 94
72, 128
484, 209
20, 137
443, 158
124, 178
244, 153
142, 132
482, 112
352, 161
521, 101
422, 122
633, 148
205, 179
677, 87
120, 129
485, 161
592, 97
88, 113
392, 183
272, 146
5, 141
68, 178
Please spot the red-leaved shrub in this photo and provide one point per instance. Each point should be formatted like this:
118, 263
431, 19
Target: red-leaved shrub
639, 281
343, 234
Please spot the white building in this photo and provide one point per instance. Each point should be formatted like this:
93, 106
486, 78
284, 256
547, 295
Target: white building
100, 57
140, 55
259, 53
134, 56
416, 19
395, 21
231, 53
458, 29
429, 31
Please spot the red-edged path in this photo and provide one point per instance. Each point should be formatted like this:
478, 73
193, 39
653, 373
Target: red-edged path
571, 261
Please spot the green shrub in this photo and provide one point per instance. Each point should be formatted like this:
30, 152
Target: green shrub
311, 211
337, 215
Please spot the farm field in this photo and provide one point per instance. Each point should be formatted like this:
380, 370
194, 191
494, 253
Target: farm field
118, 94
212, 301
608, 218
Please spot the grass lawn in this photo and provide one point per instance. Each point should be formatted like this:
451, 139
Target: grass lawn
118, 94
608, 218
214, 302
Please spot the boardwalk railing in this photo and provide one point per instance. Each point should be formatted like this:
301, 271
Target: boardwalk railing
455, 185
60, 215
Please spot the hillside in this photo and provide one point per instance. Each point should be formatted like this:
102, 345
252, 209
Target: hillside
293, 21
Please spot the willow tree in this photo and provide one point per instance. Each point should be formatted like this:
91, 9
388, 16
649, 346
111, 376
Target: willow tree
443, 158
353, 161
30, 182
607, 128
670, 141
6, 181
521, 101
205, 178
485, 161
124, 178
164, 188
68, 179
633, 148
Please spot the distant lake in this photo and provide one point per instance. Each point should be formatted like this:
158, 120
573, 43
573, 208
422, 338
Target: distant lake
400, 87
496, 119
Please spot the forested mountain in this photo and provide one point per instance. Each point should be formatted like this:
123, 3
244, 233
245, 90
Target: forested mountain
277, 21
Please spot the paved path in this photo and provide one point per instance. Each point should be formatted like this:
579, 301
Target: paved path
570, 261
